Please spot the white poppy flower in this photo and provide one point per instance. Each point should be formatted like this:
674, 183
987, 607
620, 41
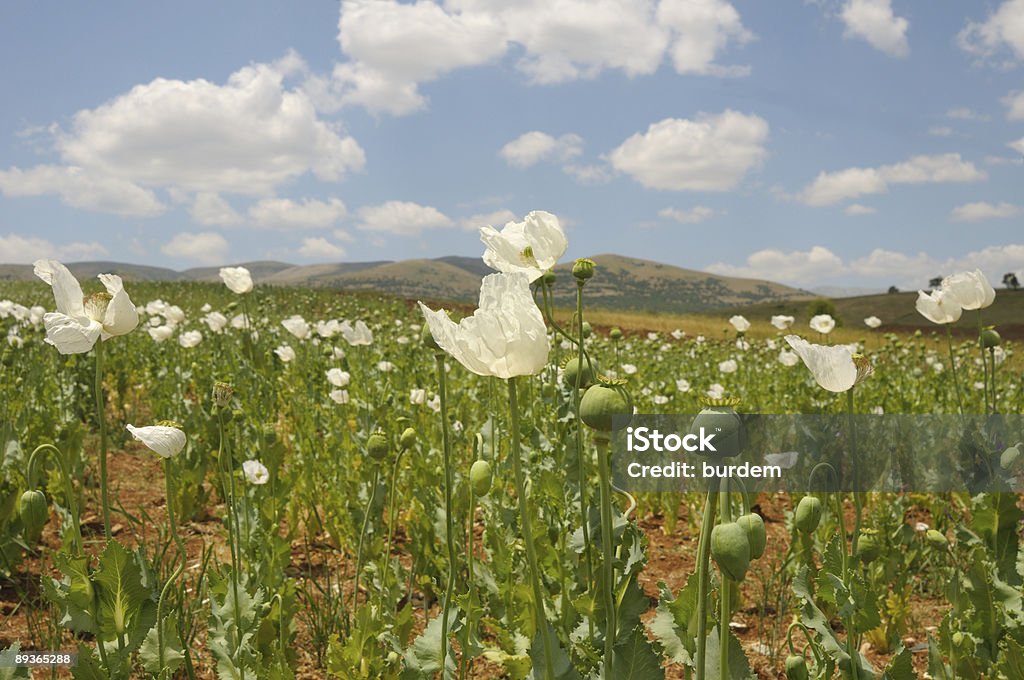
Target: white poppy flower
970, 289
338, 377
6, 307
237, 279
297, 326
327, 329
175, 314
165, 440
385, 366
782, 322
255, 472
160, 333
787, 358
823, 323
215, 321
629, 369
417, 396
716, 391
660, 399
339, 396
285, 353
79, 320
358, 335
505, 337
434, 403
683, 385
205, 308
872, 322
728, 366
190, 339
740, 323
532, 246
938, 306
833, 367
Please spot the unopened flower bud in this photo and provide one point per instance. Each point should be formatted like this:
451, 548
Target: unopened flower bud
427, 338
936, 539
990, 338
583, 269
615, 333
377, 445
480, 477
408, 438
548, 278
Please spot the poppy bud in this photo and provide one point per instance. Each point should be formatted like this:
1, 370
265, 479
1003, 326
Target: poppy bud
480, 477
615, 333
936, 539
796, 667
587, 330
427, 338
408, 438
548, 277
808, 514
990, 338
1010, 458
34, 513
377, 445
731, 550
869, 547
583, 269
571, 374
753, 526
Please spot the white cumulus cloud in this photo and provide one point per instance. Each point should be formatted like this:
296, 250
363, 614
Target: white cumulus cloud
496, 219
1017, 146
694, 215
392, 48
17, 249
1003, 30
708, 153
974, 212
855, 209
875, 22
320, 248
532, 147
284, 213
211, 208
832, 187
402, 217
1014, 105
205, 247
82, 188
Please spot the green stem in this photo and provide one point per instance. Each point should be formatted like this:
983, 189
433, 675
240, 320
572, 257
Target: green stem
229, 487
581, 361
101, 418
169, 485
608, 546
72, 501
952, 364
385, 566
703, 576
852, 643
442, 386
528, 535
362, 535
725, 597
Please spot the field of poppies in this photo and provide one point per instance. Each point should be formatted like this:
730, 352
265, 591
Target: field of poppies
232, 481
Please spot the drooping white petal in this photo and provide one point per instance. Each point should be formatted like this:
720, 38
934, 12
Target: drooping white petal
831, 366
121, 316
162, 439
67, 293
971, 290
938, 307
505, 337
237, 279
70, 336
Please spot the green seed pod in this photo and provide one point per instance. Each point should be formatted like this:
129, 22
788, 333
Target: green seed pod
408, 438
753, 526
583, 269
936, 539
480, 477
549, 277
615, 333
377, 445
731, 550
796, 667
869, 547
1011, 458
603, 401
729, 436
571, 370
34, 512
990, 338
808, 514
587, 330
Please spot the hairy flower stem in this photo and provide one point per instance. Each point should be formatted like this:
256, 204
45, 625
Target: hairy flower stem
703, 576
71, 500
725, 597
581, 361
608, 546
362, 535
229, 487
385, 563
101, 418
852, 643
172, 521
442, 387
527, 525
984, 363
952, 364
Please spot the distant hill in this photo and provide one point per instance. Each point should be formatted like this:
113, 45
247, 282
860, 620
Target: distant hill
622, 283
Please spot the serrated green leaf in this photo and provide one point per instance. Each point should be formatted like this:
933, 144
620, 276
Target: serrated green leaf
423, 658
635, 660
118, 582
900, 667
173, 653
9, 671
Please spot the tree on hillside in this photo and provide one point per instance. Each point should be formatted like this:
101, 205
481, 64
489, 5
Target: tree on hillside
935, 282
893, 290
1010, 281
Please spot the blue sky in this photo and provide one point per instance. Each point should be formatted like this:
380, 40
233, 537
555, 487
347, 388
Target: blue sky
843, 142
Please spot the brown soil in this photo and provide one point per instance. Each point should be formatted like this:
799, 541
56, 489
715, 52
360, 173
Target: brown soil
137, 485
